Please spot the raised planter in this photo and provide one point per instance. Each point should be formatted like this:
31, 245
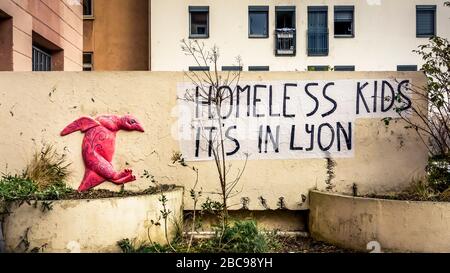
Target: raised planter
398, 226
92, 225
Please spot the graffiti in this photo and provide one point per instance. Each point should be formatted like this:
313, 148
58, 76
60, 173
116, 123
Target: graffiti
281, 204
285, 119
263, 202
98, 148
245, 201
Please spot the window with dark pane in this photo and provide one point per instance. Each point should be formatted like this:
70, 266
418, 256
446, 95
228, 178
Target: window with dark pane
199, 22
344, 68
344, 21
285, 33
258, 68
258, 17
406, 67
87, 8
88, 61
198, 68
231, 68
285, 19
425, 21
41, 59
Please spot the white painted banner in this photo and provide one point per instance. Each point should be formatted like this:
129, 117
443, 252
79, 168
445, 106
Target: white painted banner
285, 119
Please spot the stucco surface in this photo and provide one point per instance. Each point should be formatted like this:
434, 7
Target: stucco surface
93, 225
385, 34
35, 107
399, 226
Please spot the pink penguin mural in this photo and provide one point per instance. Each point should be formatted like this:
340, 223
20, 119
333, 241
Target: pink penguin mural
99, 145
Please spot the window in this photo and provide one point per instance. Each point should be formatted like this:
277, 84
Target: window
318, 68
88, 8
88, 64
258, 21
6, 42
344, 21
198, 68
344, 68
199, 22
425, 21
318, 31
41, 60
285, 17
231, 68
258, 68
406, 67
285, 34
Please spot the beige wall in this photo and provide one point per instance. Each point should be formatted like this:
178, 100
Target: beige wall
36, 107
385, 34
58, 21
118, 35
398, 226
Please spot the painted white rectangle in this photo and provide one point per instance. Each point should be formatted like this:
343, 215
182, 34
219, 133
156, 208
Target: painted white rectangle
288, 119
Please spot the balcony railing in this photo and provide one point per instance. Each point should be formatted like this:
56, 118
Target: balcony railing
317, 43
285, 41
41, 61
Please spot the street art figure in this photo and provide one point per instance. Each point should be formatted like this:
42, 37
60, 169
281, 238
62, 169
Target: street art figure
99, 145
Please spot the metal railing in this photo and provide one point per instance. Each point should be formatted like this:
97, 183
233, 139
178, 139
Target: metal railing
317, 43
42, 61
285, 41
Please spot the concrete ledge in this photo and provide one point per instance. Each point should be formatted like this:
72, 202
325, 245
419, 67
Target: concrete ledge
92, 225
399, 226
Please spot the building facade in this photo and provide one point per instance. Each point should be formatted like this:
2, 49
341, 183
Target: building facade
41, 35
116, 35
297, 35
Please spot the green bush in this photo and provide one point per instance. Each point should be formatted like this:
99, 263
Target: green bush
43, 179
13, 188
438, 174
21, 188
242, 237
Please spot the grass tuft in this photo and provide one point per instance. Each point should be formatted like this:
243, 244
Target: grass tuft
47, 168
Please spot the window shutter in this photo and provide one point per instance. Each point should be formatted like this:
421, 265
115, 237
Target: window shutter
343, 13
343, 16
199, 9
285, 8
317, 30
425, 20
258, 8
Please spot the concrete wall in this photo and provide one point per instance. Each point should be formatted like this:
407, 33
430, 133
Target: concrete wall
35, 107
399, 226
385, 34
94, 225
57, 21
118, 35
268, 220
